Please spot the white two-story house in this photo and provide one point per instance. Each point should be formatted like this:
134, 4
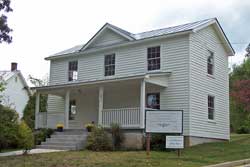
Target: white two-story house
117, 75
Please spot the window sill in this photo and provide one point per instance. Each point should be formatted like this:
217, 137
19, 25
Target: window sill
211, 121
211, 76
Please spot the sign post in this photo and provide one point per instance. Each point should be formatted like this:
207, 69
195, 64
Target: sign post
165, 121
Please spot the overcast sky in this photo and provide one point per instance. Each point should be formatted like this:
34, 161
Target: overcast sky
43, 27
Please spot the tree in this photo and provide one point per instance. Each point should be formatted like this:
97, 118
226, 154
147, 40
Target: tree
241, 93
29, 110
248, 51
8, 127
4, 28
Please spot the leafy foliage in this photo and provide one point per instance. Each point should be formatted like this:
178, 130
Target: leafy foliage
25, 137
117, 135
41, 134
8, 127
99, 140
29, 110
158, 141
4, 28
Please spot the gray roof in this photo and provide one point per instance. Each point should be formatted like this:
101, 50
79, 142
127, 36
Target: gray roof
147, 34
5, 75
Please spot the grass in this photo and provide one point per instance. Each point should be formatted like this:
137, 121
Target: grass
212, 153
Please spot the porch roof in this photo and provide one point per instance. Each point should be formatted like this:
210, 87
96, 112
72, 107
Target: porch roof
145, 76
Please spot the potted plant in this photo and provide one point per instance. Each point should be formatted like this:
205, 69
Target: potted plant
59, 127
89, 127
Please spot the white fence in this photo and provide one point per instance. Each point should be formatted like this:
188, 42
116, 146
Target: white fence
126, 117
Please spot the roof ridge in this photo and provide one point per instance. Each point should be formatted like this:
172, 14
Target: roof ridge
174, 26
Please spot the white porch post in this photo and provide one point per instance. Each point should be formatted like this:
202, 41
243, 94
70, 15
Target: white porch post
142, 104
66, 109
37, 109
101, 91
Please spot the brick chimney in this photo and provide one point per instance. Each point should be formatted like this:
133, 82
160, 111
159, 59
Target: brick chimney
13, 66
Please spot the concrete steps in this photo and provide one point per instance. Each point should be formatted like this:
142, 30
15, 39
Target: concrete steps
66, 140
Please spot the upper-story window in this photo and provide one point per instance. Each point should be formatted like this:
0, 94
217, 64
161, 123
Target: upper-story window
109, 64
210, 63
72, 72
153, 100
210, 100
154, 58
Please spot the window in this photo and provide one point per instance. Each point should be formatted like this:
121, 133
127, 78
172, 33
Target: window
154, 60
210, 63
153, 100
72, 109
109, 64
210, 107
72, 75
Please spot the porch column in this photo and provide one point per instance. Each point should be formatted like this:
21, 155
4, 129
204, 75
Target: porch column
66, 109
142, 105
37, 109
101, 90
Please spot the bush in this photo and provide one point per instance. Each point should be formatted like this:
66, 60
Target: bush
117, 135
99, 140
29, 110
25, 137
158, 141
243, 129
41, 134
8, 127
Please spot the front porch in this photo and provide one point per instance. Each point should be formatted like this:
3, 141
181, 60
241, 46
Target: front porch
119, 101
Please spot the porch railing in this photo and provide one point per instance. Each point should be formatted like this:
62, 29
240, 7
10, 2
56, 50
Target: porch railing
126, 117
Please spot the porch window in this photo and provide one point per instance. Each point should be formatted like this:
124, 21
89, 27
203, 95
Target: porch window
72, 110
210, 100
72, 72
154, 60
153, 100
109, 64
210, 63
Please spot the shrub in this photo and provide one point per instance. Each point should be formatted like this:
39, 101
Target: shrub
99, 140
25, 137
8, 127
29, 110
117, 135
41, 134
158, 141
243, 129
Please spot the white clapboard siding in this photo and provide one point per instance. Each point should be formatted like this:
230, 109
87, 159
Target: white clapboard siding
55, 113
202, 85
125, 117
131, 61
107, 37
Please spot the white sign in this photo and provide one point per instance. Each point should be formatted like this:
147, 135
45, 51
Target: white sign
174, 142
164, 121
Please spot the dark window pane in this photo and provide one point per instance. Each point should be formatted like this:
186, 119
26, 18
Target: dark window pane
153, 100
109, 64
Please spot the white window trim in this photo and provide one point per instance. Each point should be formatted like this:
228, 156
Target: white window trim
211, 75
157, 70
212, 120
76, 71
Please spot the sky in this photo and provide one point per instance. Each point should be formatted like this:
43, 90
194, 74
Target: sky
44, 27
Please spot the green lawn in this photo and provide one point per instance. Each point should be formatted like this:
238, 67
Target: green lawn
237, 148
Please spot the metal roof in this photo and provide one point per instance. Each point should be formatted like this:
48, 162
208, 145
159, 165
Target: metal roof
147, 34
5, 75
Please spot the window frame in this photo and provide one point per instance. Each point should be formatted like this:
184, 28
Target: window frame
211, 53
72, 71
211, 108
111, 65
158, 106
152, 66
